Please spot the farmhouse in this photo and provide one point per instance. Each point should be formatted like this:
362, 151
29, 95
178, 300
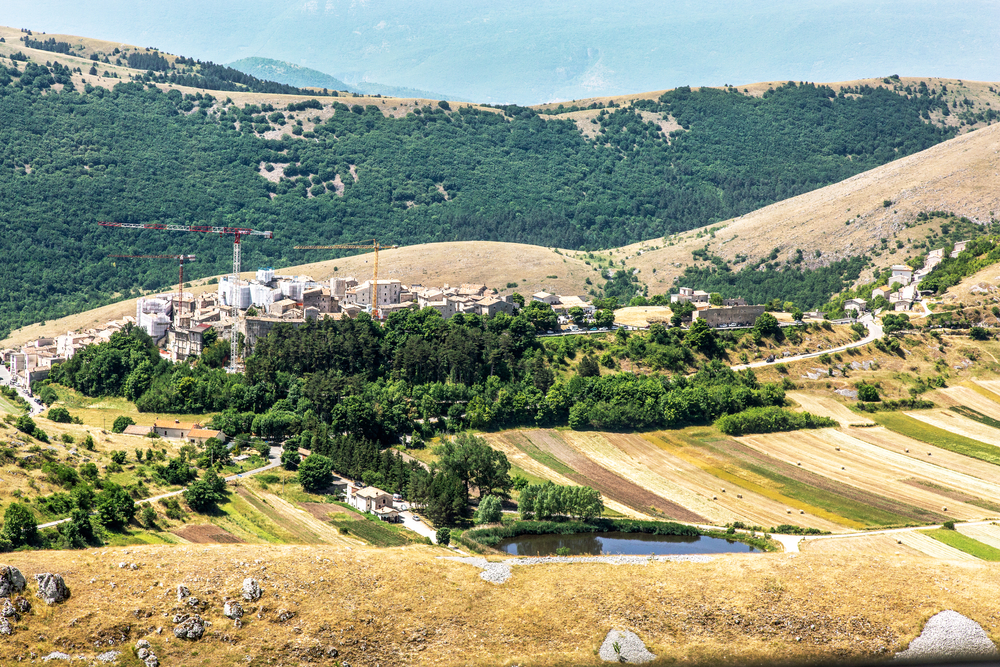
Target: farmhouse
200, 435
173, 429
372, 500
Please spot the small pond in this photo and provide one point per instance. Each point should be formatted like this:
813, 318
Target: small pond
612, 543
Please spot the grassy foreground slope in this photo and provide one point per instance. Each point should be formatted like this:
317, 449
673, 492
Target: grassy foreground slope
407, 606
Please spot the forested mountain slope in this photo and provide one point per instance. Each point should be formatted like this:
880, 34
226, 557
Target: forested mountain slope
144, 151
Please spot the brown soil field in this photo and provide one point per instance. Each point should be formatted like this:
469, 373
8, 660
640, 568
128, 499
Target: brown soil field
322, 511
956, 423
206, 534
408, 607
827, 406
875, 473
881, 544
610, 484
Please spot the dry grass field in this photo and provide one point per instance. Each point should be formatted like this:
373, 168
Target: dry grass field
408, 607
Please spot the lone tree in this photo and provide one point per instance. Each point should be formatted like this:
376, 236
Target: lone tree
314, 473
472, 460
19, 525
490, 510
203, 494
121, 423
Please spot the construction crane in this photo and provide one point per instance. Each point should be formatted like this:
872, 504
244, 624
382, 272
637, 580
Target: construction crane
374, 245
236, 233
180, 281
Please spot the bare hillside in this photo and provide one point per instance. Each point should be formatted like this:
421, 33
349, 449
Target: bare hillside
848, 218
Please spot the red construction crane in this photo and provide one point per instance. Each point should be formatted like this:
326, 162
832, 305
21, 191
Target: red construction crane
236, 233
180, 282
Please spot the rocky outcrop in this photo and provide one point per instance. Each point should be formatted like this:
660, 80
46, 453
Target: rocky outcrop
251, 590
182, 592
22, 605
11, 580
232, 609
191, 628
52, 588
144, 652
5, 627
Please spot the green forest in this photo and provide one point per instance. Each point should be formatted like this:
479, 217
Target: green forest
134, 153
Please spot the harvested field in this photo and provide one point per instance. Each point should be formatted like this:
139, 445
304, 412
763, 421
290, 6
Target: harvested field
876, 474
954, 494
505, 443
589, 473
970, 398
992, 387
885, 544
303, 525
885, 439
206, 534
987, 533
956, 423
699, 470
827, 406
939, 437
642, 316
932, 547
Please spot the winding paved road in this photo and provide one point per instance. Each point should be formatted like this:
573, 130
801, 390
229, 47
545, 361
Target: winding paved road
874, 332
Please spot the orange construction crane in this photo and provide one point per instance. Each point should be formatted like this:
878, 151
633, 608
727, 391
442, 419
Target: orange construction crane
236, 233
180, 282
374, 245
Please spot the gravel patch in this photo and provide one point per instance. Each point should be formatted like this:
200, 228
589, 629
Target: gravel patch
949, 636
500, 572
631, 649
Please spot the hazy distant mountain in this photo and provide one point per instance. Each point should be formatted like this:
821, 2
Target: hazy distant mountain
530, 51
304, 77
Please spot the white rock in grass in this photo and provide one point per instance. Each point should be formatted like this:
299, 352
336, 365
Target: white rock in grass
251, 590
631, 649
950, 636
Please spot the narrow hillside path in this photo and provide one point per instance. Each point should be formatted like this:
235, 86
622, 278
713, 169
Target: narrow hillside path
874, 332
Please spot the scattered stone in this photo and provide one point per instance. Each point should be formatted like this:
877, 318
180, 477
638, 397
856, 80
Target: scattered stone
109, 656
949, 636
191, 628
232, 609
192, 602
56, 655
5, 627
182, 592
142, 643
11, 580
152, 661
22, 605
251, 590
849, 393
143, 653
285, 615
631, 649
52, 588
8, 609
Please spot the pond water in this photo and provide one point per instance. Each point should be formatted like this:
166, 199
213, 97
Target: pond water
612, 543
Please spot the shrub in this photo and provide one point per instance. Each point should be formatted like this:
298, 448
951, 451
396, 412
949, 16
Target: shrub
115, 507
868, 393
290, 459
948, 525
203, 494
121, 422
148, 516
19, 525
25, 424
59, 415
118, 456
490, 510
769, 420
443, 537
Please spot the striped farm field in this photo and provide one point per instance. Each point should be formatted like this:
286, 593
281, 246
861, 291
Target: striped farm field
877, 474
956, 423
511, 443
939, 437
987, 533
827, 406
970, 398
988, 388
964, 543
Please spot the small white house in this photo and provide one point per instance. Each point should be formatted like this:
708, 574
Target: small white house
373, 501
857, 305
901, 274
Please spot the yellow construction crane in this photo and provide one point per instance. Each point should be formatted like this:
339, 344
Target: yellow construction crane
374, 245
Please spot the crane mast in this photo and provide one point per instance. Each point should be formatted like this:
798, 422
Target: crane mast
236, 233
374, 245
180, 280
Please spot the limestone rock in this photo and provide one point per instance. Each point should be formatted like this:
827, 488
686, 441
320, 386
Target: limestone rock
142, 643
251, 590
52, 588
232, 609
143, 653
285, 615
8, 610
191, 628
22, 605
57, 655
109, 656
182, 592
631, 649
5, 627
11, 580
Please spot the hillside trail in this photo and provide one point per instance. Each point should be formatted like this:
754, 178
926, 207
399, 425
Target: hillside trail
874, 332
